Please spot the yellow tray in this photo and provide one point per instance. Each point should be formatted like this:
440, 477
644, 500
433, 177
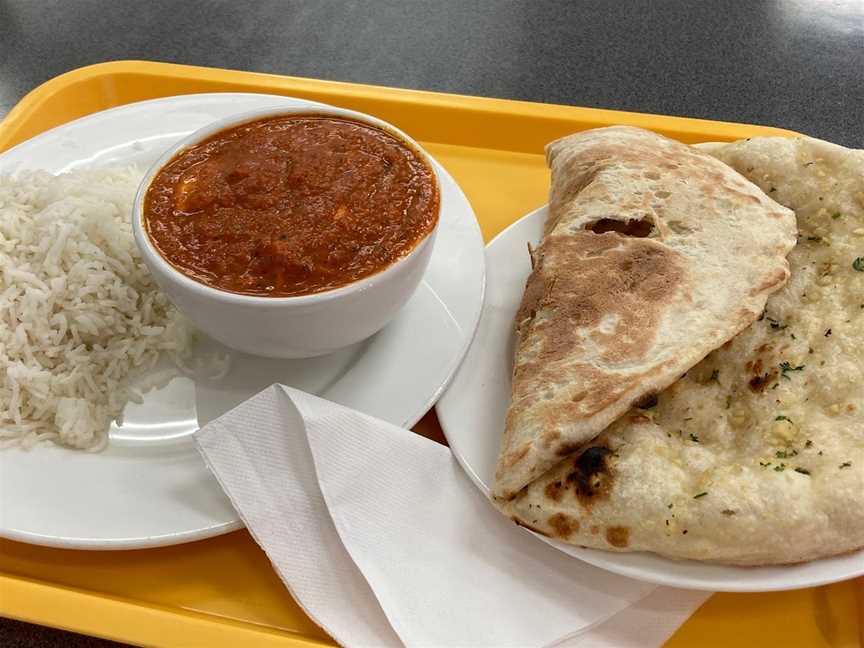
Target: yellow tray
222, 591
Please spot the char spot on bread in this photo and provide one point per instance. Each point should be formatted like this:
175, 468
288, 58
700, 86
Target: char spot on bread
638, 228
618, 536
563, 526
647, 401
554, 490
591, 476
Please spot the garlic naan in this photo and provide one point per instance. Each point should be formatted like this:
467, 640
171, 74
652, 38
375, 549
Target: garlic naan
654, 254
756, 456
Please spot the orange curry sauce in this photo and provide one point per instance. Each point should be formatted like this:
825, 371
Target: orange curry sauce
291, 205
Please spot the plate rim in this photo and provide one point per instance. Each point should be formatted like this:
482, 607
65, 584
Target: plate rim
221, 528
608, 560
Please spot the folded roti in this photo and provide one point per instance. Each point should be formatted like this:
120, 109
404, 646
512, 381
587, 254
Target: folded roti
654, 254
756, 456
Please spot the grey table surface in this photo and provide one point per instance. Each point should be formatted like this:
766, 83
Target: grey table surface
798, 64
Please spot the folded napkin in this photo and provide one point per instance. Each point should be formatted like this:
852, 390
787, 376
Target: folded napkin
384, 541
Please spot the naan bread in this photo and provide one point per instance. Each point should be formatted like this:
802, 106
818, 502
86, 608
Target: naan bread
654, 255
756, 456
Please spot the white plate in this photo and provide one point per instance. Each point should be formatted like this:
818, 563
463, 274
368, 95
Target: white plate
472, 411
150, 487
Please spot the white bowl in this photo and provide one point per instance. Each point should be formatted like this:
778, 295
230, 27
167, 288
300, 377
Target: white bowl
288, 327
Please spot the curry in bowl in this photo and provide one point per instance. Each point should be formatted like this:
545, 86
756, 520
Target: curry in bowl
291, 205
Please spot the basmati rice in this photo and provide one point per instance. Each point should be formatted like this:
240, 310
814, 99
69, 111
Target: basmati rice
80, 315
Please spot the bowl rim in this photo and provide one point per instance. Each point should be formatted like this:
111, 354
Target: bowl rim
152, 254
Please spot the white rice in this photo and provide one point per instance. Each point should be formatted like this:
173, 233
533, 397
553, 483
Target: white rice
79, 313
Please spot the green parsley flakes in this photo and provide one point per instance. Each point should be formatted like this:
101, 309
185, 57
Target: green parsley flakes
801, 470
846, 464
786, 367
858, 264
702, 494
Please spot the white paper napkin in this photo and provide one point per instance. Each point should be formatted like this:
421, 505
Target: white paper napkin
383, 541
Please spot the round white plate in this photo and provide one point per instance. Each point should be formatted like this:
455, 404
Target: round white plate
150, 487
472, 412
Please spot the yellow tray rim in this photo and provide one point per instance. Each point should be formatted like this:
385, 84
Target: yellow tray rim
132, 622
301, 86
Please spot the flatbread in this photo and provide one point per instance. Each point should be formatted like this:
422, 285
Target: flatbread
654, 254
756, 456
